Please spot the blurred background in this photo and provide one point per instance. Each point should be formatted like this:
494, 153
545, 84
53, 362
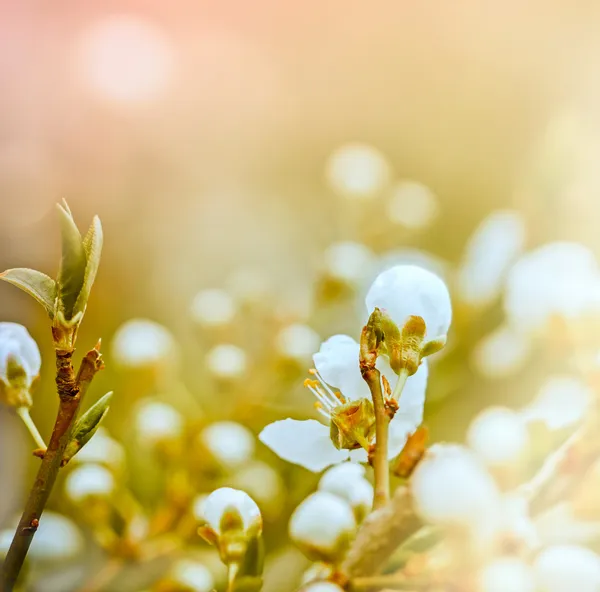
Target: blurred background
227, 146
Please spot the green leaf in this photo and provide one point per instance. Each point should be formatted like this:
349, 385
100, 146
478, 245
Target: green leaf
86, 427
35, 283
92, 245
73, 263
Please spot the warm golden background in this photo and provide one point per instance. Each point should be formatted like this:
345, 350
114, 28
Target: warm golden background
200, 133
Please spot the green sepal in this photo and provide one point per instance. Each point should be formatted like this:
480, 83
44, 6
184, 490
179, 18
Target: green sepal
35, 283
248, 577
73, 263
86, 427
433, 346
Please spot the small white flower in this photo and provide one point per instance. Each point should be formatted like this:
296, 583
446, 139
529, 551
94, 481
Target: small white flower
192, 576
224, 500
102, 449
56, 539
140, 343
556, 279
348, 261
322, 526
214, 307
567, 568
156, 421
226, 360
198, 505
322, 587
503, 352
452, 486
86, 481
413, 205
357, 171
20, 364
308, 443
347, 481
498, 435
562, 401
493, 247
297, 342
409, 290
231, 443
262, 481
507, 574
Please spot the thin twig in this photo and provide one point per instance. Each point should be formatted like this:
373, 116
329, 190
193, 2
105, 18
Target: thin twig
71, 390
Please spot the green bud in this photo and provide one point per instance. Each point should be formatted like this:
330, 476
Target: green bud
86, 427
353, 425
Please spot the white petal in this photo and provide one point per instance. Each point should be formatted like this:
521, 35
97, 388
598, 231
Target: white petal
305, 443
359, 455
16, 342
338, 363
407, 290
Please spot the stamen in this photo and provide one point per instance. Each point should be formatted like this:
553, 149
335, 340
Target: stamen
335, 397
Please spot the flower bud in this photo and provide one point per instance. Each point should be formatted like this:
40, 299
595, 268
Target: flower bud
297, 342
141, 343
213, 308
226, 361
20, 363
506, 573
348, 262
156, 422
323, 527
347, 481
192, 576
89, 481
321, 587
230, 443
566, 568
451, 486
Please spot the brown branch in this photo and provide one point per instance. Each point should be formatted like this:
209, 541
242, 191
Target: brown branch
71, 389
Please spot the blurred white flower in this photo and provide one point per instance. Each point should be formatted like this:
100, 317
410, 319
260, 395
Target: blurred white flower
212, 308
249, 284
413, 205
498, 435
141, 343
20, 364
408, 290
322, 526
567, 568
193, 576
308, 443
231, 443
226, 360
493, 247
227, 500
357, 171
56, 539
102, 449
348, 261
297, 341
451, 485
347, 480
262, 482
501, 353
87, 481
507, 574
562, 401
557, 279
156, 421
322, 587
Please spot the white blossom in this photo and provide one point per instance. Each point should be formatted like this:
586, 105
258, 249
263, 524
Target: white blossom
567, 568
348, 261
308, 443
262, 481
555, 279
507, 574
503, 352
561, 402
20, 364
86, 481
492, 248
297, 341
198, 505
224, 500
322, 525
412, 205
213, 307
498, 435
357, 171
347, 480
56, 539
452, 486
226, 360
409, 290
140, 343
322, 587
231, 443
156, 421
193, 576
